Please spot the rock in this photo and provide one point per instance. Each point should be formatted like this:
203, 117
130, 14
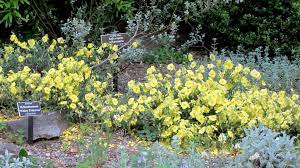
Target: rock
49, 125
11, 148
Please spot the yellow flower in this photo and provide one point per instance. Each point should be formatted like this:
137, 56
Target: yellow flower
210, 66
80, 52
193, 64
200, 118
136, 89
212, 57
90, 45
255, 74
141, 108
170, 67
223, 82
73, 98
89, 97
114, 56
134, 45
60, 56
246, 70
100, 51
184, 105
212, 74
219, 63
131, 83
51, 48
89, 53
212, 101
31, 43
130, 101
230, 134
108, 123
63, 102
47, 90
9, 50
190, 57
228, 64
212, 118
114, 101
21, 59
115, 47
13, 38
104, 45
23, 45
60, 40
73, 106
151, 70
295, 97
45, 38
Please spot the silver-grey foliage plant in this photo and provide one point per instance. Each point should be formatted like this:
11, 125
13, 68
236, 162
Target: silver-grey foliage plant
8, 161
261, 147
76, 30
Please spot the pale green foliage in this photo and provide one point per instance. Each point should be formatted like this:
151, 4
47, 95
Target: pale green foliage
8, 161
158, 156
263, 148
76, 30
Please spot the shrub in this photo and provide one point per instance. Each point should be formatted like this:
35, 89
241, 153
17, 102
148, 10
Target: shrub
51, 72
253, 23
202, 102
261, 147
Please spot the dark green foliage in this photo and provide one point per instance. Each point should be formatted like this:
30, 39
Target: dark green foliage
165, 55
10, 11
46, 16
254, 23
23, 153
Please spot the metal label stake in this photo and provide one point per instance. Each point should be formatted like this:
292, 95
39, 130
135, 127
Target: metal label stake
30, 130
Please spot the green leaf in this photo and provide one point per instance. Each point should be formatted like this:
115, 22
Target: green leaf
23, 153
5, 17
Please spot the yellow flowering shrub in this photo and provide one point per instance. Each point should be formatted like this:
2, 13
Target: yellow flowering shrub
202, 102
43, 54
51, 72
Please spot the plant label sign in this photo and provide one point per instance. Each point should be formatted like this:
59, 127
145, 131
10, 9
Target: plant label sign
115, 38
26, 109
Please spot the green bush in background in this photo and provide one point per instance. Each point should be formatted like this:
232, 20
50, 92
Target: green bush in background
254, 23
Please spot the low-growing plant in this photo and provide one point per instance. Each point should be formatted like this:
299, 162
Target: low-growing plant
3, 127
158, 156
8, 161
261, 147
97, 153
202, 102
17, 137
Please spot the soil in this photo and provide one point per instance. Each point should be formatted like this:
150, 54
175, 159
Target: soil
52, 151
